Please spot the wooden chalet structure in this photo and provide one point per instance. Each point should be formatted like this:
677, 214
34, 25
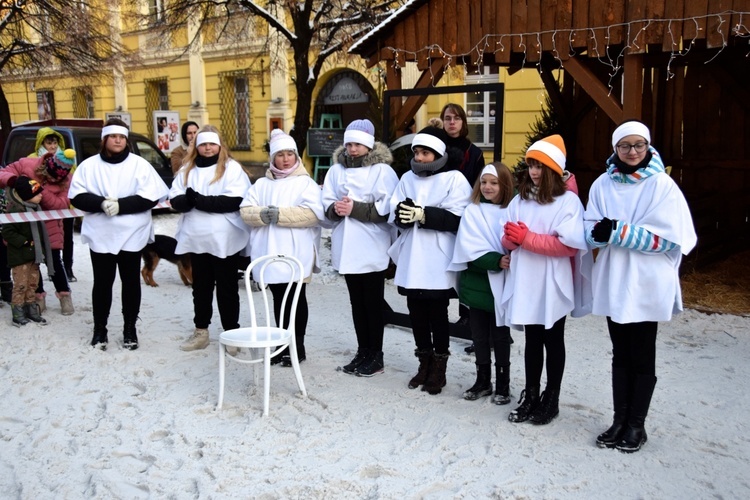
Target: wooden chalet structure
681, 66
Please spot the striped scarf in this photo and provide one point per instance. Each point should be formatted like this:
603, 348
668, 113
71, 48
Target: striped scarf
654, 167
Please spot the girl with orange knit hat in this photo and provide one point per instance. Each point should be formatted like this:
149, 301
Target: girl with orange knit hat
545, 233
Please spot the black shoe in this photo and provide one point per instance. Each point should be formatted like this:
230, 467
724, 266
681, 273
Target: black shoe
547, 409
359, 358
372, 366
470, 348
129, 335
71, 277
100, 341
633, 439
613, 435
528, 403
286, 361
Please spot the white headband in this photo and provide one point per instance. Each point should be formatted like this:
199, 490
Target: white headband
630, 128
430, 141
489, 169
205, 137
114, 129
359, 137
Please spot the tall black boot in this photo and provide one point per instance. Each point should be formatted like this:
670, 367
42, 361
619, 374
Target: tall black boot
425, 357
100, 340
620, 397
502, 385
548, 407
129, 335
528, 403
436, 378
482, 387
635, 434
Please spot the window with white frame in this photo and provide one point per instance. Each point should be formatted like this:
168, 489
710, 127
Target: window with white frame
156, 11
480, 110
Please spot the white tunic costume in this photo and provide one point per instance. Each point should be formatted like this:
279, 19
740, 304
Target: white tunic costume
133, 176
422, 255
360, 247
296, 190
481, 232
541, 289
633, 286
218, 234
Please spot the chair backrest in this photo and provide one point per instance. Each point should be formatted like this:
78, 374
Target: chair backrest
261, 266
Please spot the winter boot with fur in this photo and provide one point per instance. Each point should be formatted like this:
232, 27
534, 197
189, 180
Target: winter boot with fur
548, 407
6, 291
482, 387
527, 404
635, 434
34, 314
130, 335
41, 301
372, 365
359, 358
99, 340
199, 340
425, 357
620, 397
19, 316
436, 378
502, 385
66, 303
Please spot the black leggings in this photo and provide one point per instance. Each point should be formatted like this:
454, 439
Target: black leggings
105, 267
211, 272
429, 323
539, 340
300, 321
634, 346
59, 279
366, 293
488, 336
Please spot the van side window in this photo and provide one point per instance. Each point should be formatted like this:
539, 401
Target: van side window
90, 146
20, 146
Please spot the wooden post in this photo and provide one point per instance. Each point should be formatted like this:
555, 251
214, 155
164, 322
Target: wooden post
632, 87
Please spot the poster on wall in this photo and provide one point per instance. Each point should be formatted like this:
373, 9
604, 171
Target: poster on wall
45, 103
126, 117
166, 130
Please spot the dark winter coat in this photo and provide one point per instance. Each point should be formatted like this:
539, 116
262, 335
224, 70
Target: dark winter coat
18, 236
473, 159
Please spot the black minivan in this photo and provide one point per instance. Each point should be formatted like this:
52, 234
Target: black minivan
85, 137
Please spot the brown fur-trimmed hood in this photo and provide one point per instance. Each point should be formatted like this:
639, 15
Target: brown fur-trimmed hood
379, 154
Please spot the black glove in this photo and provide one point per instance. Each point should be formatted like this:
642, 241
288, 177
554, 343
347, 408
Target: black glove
190, 195
602, 230
408, 202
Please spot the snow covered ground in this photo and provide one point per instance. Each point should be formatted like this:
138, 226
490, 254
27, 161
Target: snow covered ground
80, 423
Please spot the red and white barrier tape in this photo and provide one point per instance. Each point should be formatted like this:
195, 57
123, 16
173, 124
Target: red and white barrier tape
53, 214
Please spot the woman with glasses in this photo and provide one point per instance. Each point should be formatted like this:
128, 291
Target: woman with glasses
639, 220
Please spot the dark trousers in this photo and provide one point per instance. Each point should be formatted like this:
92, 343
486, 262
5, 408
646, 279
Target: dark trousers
539, 340
366, 293
211, 272
488, 336
4, 269
634, 346
300, 321
59, 279
105, 267
67, 251
429, 323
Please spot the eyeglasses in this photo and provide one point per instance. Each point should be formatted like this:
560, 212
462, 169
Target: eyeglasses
449, 118
625, 148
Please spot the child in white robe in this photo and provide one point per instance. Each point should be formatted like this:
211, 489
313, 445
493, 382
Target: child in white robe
356, 195
639, 220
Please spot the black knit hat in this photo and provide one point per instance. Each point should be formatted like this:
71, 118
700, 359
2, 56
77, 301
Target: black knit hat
27, 188
433, 138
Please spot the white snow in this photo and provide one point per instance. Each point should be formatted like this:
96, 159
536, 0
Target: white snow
81, 423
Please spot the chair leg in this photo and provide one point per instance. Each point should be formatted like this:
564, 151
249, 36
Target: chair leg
266, 380
295, 366
221, 376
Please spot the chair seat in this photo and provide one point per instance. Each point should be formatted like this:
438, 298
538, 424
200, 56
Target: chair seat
261, 336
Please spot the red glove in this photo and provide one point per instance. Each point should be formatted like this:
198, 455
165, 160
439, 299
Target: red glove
516, 233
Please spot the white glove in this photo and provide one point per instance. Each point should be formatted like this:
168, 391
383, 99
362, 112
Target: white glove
111, 206
408, 214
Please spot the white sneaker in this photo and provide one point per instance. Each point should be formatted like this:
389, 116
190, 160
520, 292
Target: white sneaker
199, 340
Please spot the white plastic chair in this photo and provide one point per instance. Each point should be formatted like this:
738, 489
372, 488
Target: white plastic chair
264, 338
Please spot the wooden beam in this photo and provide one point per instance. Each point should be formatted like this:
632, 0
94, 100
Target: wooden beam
552, 88
632, 94
428, 78
393, 82
594, 88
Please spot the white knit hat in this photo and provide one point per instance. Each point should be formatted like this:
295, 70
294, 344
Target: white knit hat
631, 127
360, 132
281, 141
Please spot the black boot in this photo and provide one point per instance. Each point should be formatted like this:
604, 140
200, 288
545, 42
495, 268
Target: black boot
436, 378
502, 385
19, 315
6, 291
635, 434
527, 404
100, 340
425, 357
620, 396
129, 335
362, 355
548, 407
372, 365
33, 313
482, 387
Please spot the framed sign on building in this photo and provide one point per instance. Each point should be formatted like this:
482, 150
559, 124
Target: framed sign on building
166, 130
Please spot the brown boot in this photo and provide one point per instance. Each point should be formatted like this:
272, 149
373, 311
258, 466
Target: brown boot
436, 378
425, 357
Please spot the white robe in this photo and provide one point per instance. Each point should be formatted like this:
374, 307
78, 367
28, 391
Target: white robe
481, 232
133, 176
540, 289
217, 234
300, 242
631, 286
360, 247
421, 255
